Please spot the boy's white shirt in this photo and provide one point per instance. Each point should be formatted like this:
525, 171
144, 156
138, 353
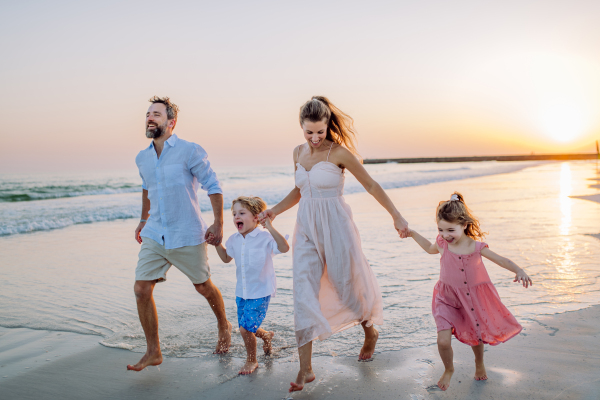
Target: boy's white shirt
253, 257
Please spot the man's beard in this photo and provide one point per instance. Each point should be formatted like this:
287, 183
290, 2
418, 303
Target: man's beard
156, 132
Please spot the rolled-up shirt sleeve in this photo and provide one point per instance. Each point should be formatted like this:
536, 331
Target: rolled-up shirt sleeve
200, 168
143, 182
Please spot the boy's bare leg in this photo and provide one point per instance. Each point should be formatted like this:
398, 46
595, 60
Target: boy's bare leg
371, 336
251, 362
215, 300
306, 374
267, 337
480, 374
149, 319
445, 348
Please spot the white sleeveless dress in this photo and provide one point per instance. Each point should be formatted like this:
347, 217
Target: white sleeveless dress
334, 286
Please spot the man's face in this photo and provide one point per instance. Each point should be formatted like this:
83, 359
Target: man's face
156, 121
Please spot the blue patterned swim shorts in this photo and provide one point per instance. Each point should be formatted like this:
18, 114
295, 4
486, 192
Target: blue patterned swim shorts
251, 312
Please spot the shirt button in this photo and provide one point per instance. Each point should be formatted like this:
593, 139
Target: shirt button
472, 309
467, 294
459, 258
465, 283
477, 324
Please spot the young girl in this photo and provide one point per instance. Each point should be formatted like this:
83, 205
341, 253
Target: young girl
334, 286
465, 302
253, 249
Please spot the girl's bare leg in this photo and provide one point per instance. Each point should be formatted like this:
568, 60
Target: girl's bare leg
445, 348
305, 375
251, 362
371, 336
267, 337
480, 374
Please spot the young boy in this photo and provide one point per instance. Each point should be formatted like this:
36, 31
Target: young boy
253, 249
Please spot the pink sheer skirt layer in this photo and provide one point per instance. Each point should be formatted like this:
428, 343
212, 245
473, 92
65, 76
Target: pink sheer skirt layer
475, 315
334, 286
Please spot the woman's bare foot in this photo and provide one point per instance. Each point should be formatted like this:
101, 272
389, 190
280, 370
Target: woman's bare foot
267, 339
248, 368
444, 381
303, 377
480, 374
369, 346
224, 340
147, 359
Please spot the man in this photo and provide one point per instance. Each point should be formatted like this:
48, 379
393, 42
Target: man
171, 229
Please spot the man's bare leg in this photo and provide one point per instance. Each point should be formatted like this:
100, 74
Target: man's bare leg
251, 361
480, 373
371, 336
267, 337
149, 319
215, 300
306, 374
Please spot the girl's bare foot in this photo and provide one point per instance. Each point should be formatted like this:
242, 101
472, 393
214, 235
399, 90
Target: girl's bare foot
267, 339
444, 381
147, 359
248, 368
480, 374
303, 377
224, 340
369, 346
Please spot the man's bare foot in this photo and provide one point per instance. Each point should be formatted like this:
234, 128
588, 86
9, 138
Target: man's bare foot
301, 380
224, 340
267, 342
153, 359
369, 346
444, 381
248, 368
480, 374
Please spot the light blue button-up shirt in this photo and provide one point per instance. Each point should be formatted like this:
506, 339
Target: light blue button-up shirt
172, 185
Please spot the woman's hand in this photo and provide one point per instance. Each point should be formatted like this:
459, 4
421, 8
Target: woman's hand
401, 226
267, 214
521, 276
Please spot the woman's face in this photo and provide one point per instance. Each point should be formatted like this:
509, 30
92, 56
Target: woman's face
315, 132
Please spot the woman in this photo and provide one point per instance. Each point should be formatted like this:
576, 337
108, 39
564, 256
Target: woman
334, 286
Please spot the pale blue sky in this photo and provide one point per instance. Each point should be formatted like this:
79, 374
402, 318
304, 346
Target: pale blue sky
428, 78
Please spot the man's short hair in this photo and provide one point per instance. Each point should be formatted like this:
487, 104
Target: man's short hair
172, 108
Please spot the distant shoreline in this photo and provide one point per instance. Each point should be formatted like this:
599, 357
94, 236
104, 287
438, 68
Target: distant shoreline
530, 157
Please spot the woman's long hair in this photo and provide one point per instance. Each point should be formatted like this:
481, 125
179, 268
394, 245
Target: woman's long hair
456, 211
340, 126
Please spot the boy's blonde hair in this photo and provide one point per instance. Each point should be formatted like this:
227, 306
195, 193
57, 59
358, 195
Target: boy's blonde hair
254, 204
456, 211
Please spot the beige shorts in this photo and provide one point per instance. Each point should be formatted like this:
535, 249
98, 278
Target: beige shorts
154, 262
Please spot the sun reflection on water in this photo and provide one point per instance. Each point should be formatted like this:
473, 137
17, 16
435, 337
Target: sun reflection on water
564, 282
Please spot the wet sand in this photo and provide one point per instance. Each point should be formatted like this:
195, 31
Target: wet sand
555, 357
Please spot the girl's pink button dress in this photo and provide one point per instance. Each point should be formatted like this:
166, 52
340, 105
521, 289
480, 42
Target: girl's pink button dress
466, 301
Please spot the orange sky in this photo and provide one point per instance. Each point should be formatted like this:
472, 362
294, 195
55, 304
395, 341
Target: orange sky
435, 78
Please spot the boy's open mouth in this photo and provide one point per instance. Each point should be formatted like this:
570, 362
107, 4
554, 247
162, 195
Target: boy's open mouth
239, 225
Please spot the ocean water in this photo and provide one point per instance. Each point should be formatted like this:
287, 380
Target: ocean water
37, 202
80, 278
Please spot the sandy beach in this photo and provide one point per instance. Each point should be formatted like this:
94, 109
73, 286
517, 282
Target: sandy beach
544, 218
553, 358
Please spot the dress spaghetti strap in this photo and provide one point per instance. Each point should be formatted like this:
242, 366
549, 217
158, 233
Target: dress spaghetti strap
329, 151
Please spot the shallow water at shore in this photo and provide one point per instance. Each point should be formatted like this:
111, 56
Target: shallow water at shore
80, 278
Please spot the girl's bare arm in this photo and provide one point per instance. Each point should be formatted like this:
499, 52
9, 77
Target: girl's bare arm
288, 202
520, 275
425, 244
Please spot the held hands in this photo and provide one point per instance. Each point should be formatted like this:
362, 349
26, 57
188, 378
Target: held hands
214, 234
401, 226
521, 276
137, 232
263, 216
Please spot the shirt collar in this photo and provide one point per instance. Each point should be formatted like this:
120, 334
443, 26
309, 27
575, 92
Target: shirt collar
255, 232
171, 141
